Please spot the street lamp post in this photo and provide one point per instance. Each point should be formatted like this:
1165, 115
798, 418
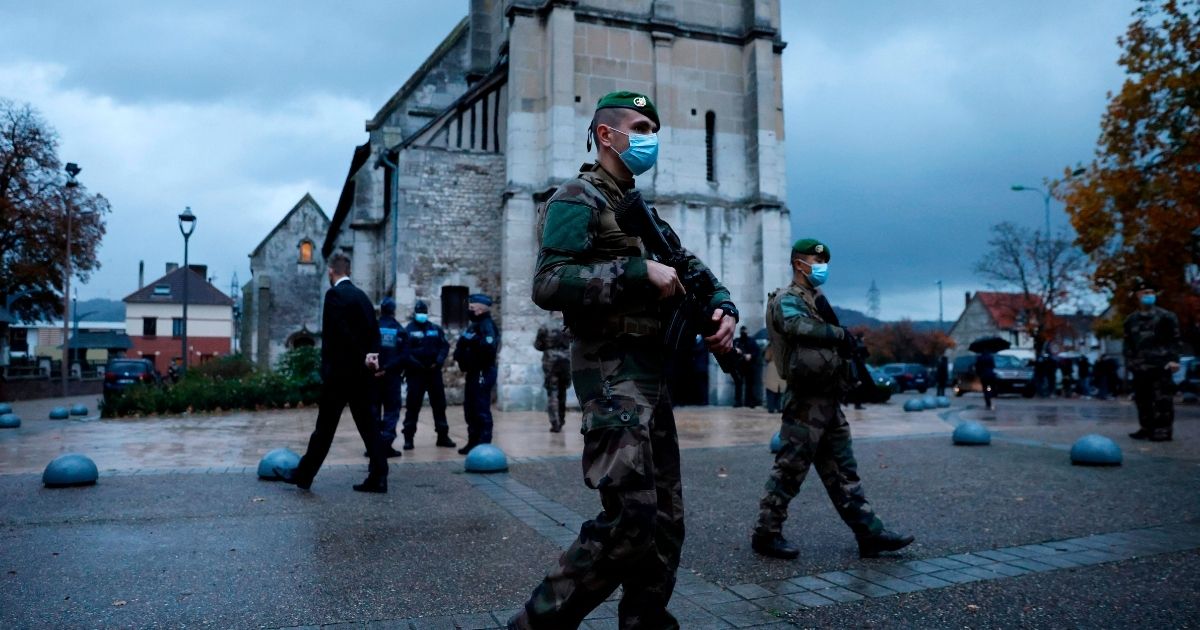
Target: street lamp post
187, 224
72, 170
941, 320
1045, 200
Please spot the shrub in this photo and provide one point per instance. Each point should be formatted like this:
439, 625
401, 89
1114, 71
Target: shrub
226, 383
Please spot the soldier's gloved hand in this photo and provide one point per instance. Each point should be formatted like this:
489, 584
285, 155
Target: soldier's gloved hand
664, 278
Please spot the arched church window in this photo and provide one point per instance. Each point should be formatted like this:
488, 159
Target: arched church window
306, 252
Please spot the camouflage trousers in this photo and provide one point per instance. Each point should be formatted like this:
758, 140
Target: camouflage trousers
557, 380
1154, 395
815, 433
631, 456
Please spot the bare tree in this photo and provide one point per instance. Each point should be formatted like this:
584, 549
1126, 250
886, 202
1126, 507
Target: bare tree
1050, 275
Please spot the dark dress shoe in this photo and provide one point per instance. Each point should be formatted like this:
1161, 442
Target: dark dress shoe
371, 486
1140, 434
445, 442
466, 449
288, 475
1161, 435
872, 546
408, 445
774, 546
390, 452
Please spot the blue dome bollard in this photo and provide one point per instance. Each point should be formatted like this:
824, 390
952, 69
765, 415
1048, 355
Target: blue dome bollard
5, 408
9, 421
1095, 450
281, 458
929, 402
971, 433
59, 413
79, 410
942, 401
72, 469
486, 458
776, 443
914, 404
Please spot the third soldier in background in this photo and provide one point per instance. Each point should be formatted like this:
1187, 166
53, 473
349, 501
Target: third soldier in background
1152, 356
813, 359
554, 342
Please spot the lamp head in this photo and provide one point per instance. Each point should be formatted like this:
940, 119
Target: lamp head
1018, 187
187, 222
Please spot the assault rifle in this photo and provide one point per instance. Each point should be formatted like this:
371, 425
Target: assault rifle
862, 386
691, 315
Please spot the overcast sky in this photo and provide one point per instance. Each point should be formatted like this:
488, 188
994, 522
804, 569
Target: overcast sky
906, 121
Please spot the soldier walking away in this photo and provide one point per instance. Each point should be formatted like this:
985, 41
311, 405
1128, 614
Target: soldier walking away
614, 298
554, 342
349, 360
813, 358
743, 377
1152, 356
425, 356
385, 407
475, 354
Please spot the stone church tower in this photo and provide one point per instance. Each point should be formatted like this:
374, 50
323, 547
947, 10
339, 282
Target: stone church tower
441, 200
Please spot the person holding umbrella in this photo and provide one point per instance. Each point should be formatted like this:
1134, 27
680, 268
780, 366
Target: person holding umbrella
985, 364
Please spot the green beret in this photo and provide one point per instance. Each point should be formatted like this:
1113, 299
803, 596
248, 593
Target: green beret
639, 103
811, 246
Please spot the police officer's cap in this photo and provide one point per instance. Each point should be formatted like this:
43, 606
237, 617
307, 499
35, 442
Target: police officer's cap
1142, 284
625, 99
420, 307
811, 246
479, 298
388, 306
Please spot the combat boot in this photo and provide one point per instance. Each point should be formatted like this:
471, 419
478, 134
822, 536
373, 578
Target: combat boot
408, 444
1140, 434
886, 540
445, 441
774, 546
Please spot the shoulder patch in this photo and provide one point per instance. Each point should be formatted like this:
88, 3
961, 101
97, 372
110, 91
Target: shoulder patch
568, 227
793, 306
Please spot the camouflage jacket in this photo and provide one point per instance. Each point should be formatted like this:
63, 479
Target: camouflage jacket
555, 345
1151, 339
587, 267
807, 356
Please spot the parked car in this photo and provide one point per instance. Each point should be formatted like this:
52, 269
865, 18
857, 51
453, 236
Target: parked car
908, 376
884, 384
121, 373
1013, 376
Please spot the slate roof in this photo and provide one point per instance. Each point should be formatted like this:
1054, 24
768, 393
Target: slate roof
200, 291
102, 339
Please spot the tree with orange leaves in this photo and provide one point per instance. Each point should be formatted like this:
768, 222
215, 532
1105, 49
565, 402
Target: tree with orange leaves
1137, 203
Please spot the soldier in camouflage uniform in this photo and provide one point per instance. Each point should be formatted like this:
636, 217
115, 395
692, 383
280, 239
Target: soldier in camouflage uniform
554, 342
813, 359
611, 295
1152, 356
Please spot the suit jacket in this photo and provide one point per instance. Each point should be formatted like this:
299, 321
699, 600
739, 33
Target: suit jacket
349, 331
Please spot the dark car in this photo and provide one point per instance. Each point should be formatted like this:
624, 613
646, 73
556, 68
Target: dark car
884, 385
121, 373
908, 376
1013, 376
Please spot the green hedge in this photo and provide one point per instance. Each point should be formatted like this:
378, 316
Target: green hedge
226, 383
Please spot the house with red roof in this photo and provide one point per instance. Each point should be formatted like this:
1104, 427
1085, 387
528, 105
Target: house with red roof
1010, 316
154, 318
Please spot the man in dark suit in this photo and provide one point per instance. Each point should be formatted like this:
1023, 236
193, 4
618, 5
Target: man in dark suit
349, 358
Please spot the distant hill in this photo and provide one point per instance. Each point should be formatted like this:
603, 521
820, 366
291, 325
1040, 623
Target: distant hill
851, 318
101, 310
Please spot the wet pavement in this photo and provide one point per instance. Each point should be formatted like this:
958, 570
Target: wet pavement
200, 540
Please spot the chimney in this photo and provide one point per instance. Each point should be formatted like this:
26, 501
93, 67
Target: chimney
968, 300
141, 273
200, 269
172, 267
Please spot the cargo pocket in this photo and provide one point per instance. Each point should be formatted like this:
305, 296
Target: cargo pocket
616, 445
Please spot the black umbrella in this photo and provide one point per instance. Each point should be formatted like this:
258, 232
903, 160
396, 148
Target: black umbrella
989, 344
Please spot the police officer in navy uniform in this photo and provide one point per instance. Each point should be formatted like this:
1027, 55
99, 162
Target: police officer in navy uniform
386, 404
475, 354
425, 356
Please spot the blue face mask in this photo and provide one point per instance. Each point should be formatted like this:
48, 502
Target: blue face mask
1149, 300
820, 273
421, 317
642, 153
